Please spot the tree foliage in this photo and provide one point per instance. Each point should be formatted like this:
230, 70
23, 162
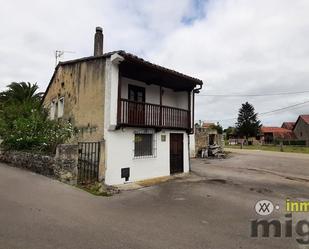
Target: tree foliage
247, 124
217, 127
24, 123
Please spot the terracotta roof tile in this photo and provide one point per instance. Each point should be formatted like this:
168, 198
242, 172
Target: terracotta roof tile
279, 132
305, 118
288, 125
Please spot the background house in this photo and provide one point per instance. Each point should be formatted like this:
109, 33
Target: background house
301, 128
288, 125
271, 135
205, 134
133, 118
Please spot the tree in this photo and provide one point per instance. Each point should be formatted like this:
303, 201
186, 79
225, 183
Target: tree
230, 131
21, 93
24, 123
217, 127
247, 124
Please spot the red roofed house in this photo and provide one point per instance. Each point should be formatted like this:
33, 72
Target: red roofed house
301, 128
288, 125
272, 134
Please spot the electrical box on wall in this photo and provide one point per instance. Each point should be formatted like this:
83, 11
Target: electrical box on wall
163, 138
125, 173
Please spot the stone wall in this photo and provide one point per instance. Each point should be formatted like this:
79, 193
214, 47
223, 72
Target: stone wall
62, 166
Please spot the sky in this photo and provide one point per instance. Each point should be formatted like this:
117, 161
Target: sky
235, 46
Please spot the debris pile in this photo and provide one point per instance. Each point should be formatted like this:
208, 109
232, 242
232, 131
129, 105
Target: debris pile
214, 151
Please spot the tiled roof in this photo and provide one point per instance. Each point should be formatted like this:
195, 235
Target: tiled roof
305, 118
136, 59
127, 56
278, 132
288, 125
207, 125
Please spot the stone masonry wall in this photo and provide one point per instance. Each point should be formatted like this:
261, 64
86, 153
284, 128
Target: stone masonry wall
62, 166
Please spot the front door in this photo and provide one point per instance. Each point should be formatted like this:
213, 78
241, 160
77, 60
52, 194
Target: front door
176, 153
136, 108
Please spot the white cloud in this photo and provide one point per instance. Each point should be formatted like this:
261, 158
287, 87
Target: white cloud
235, 46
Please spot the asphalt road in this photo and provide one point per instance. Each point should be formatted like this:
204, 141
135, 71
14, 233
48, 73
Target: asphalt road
211, 209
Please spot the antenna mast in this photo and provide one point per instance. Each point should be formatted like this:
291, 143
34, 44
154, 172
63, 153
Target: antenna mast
59, 53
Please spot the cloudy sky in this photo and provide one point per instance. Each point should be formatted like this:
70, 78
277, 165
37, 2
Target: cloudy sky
235, 46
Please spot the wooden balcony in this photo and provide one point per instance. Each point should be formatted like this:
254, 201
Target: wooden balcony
139, 114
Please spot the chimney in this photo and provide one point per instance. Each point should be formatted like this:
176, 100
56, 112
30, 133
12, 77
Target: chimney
98, 42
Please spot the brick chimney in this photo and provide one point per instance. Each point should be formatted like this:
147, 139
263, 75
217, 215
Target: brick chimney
98, 42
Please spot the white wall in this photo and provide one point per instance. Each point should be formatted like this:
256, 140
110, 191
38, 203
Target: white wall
120, 154
192, 145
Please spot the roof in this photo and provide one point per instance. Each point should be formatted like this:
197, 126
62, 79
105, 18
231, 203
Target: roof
278, 132
208, 125
128, 57
288, 125
305, 118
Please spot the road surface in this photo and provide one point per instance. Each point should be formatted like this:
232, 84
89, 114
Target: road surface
211, 208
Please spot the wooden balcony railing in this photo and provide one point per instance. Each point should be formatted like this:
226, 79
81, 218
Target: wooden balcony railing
132, 113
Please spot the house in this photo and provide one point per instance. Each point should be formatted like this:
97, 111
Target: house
133, 118
270, 135
301, 128
288, 125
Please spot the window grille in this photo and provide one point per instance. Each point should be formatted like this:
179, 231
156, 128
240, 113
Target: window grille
144, 144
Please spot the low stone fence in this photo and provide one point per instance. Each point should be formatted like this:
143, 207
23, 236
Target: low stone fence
62, 166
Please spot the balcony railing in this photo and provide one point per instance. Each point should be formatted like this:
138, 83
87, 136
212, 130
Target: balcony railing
132, 113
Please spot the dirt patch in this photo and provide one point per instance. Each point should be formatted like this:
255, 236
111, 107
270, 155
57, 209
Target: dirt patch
218, 181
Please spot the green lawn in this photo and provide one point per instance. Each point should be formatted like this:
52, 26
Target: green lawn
286, 148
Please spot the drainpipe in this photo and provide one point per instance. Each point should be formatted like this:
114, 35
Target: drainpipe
197, 90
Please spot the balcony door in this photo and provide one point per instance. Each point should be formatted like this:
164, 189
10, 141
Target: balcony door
136, 114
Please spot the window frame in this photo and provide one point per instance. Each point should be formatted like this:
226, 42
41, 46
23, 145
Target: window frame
53, 109
153, 145
60, 109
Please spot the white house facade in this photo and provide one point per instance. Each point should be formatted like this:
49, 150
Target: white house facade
141, 113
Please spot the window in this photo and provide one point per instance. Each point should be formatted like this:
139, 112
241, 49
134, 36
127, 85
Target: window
136, 93
144, 145
60, 107
52, 109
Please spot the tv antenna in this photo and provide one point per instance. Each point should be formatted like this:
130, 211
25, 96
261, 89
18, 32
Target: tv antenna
59, 53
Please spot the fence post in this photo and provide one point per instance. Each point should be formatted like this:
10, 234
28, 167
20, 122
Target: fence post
281, 146
102, 161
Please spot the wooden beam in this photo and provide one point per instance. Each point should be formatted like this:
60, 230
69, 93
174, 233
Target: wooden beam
189, 113
119, 98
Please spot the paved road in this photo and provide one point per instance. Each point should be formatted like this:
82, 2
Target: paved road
210, 209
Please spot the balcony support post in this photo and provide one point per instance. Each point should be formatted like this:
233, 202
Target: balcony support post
119, 107
160, 106
189, 113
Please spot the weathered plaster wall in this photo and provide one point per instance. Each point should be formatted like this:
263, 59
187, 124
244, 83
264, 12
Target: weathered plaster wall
82, 86
301, 131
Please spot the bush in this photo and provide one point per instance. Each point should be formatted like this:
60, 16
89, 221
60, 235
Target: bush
24, 124
35, 132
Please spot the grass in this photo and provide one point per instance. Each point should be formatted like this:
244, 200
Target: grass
286, 148
94, 189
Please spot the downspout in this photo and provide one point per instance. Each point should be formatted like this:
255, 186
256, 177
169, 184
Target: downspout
197, 90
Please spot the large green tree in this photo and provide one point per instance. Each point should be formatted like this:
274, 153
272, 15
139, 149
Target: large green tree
21, 93
24, 123
247, 124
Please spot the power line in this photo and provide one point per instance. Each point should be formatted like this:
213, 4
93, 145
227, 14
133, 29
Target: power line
251, 95
272, 111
